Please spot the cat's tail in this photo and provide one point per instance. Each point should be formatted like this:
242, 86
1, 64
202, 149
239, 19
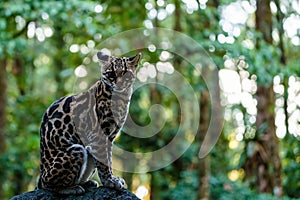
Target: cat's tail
39, 184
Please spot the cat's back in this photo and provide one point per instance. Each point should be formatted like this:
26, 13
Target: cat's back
57, 127
59, 111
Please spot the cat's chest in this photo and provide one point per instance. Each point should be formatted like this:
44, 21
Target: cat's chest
115, 107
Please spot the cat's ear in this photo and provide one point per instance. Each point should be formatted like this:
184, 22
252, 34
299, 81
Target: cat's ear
104, 61
135, 59
102, 57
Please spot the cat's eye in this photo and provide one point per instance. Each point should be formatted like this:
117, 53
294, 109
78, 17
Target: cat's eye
110, 73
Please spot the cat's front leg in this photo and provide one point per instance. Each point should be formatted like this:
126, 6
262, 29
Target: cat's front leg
108, 179
105, 170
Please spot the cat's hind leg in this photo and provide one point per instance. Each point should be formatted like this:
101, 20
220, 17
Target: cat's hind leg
90, 170
65, 170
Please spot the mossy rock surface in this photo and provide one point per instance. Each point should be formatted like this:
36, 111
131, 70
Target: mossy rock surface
100, 193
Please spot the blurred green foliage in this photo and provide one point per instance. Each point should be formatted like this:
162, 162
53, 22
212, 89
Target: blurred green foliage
41, 68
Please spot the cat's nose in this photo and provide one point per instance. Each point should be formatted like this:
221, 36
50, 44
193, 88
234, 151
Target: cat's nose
119, 72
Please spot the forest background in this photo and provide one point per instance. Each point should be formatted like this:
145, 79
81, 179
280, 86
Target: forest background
47, 47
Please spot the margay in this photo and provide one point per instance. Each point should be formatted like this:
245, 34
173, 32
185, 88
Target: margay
77, 131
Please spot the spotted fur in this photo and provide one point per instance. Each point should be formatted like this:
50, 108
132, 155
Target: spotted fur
77, 131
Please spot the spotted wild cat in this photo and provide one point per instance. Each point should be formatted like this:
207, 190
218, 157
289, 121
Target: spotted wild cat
77, 131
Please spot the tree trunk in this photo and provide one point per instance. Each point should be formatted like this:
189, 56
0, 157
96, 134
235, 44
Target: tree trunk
58, 61
263, 19
18, 72
269, 166
154, 192
177, 26
3, 87
203, 164
283, 60
206, 109
155, 98
269, 153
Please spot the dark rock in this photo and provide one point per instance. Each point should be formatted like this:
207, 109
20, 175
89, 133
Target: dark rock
100, 193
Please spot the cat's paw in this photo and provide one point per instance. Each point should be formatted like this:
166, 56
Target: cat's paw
114, 182
90, 183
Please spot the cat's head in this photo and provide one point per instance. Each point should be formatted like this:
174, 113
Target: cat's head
118, 72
